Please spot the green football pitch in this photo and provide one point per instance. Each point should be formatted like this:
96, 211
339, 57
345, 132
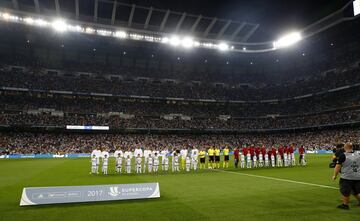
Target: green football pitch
256, 194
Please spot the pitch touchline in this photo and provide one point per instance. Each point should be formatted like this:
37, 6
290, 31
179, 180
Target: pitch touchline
279, 179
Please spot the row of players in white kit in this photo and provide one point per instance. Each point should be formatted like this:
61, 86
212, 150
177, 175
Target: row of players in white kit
264, 161
151, 160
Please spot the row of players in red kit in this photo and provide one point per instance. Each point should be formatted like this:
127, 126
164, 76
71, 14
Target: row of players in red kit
282, 153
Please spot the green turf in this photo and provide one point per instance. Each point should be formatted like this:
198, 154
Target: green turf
185, 196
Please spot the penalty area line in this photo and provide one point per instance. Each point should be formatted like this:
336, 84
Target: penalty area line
278, 179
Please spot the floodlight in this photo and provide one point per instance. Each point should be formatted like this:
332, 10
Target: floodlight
165, 40
6, 16
187, 42
223, 47
59, 25
103, 32
41, 22
120, 34
175, 41
29, 20
288, 40
89, 30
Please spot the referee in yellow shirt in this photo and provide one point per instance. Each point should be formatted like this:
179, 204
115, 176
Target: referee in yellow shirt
226, 151
217, 158
211, 157
202, 154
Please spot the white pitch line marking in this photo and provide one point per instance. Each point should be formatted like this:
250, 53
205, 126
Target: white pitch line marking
279, 179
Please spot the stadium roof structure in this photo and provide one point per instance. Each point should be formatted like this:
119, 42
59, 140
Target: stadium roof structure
106, 17
142, 19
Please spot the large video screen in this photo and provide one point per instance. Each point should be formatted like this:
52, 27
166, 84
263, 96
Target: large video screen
356, 5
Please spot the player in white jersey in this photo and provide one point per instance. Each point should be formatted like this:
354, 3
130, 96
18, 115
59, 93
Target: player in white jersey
118, 152
150, 164
183, 154
272, 157
176, 163
93, 164
255, 164
119, 161
242, 160
138, 151
261, 160
105, 164
156, 163
194, 158
166, 163
128, 153
163, 155
248, 160
128, 164
289, 159
285, 156
147, 153
187, 163
194, 162
293, 160
266, 160
97, 153
279, 161
138, 163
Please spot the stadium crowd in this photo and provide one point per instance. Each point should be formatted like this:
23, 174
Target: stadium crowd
116, 122
41, 80
54, 143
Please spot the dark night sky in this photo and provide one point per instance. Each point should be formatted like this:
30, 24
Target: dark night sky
274, 16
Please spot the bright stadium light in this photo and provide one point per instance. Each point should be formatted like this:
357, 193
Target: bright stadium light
41, 22
175, 41
288, 40
187, 42
223, 47
6, 16
165, 40
59, 25
104, 32
90, 30
120, 34
29, 21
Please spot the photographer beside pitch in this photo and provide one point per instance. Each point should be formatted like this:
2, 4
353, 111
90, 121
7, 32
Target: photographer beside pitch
348, 165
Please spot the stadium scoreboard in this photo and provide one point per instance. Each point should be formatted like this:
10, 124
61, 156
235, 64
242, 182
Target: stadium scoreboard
356, 6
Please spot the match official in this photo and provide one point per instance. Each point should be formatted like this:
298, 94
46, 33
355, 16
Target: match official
348, 165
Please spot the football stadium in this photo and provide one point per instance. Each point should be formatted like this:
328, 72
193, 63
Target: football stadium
179, 110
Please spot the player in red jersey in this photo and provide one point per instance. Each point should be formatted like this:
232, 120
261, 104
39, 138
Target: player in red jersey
245, 151
273, 151
252, 151
302, 156
292, 155
263, 150
281, 151
236, 157
257, 151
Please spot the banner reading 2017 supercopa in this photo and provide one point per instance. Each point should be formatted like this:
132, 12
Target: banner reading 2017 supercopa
79, 194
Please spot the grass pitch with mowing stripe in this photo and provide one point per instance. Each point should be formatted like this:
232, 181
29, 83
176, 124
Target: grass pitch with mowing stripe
205, 195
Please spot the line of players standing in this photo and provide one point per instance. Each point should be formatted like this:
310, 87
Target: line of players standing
253, 157
151, 160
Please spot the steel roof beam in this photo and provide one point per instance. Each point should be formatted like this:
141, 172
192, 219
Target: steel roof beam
250, 33
237, 31
163, 22
148, 17
131, 15
210, 26
113, 14
180, 22
224, 28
